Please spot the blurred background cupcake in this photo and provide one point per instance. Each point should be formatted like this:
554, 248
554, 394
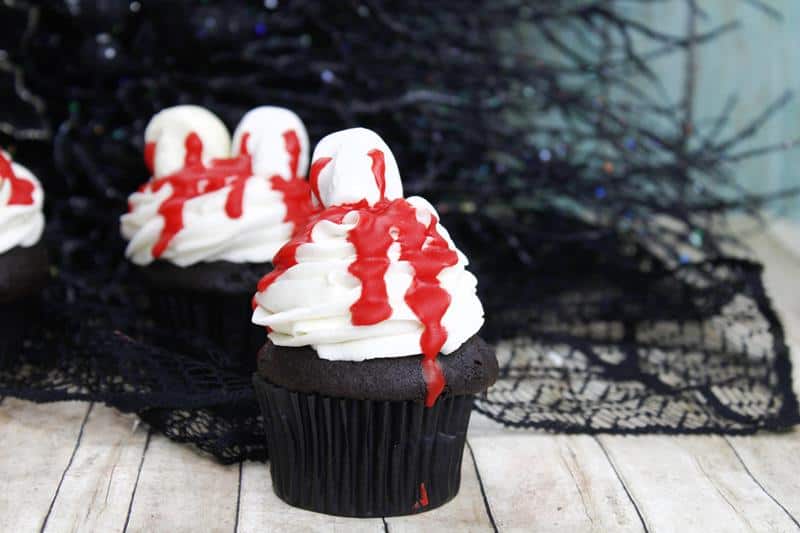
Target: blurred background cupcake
367, 379
23, 256
204, 228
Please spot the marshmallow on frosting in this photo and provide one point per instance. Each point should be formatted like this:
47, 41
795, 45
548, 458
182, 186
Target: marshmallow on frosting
242, 217
345, 169
266, 126
165, 138
310, 297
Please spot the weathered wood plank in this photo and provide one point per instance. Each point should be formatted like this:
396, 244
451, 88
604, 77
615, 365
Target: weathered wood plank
466, 512
38, 442
180, 490
692, 483
481, 425
260, 510
97, 488
552, 483
773, 461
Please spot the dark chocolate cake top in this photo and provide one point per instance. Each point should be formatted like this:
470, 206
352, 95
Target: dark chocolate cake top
470, 369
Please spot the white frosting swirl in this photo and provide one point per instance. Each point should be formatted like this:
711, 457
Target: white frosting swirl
20, 225
309, 304
209, 234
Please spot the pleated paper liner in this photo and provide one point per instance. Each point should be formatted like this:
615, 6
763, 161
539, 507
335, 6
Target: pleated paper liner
222, 317
363, 458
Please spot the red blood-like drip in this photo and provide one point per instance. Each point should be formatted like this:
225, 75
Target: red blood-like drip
372, 240
295, 190
429, 302
194, 179
313, 176
292, 144
150, 155
379, 170
423, 498
297, 198
427, 253
21, 189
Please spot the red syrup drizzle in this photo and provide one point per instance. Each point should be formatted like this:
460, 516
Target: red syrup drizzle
21, 189
313, 176
150, 155
195, 179
296, 191
420, 245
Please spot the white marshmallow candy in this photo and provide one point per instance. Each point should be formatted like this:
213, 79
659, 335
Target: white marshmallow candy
169, 128
266, 143
348, 176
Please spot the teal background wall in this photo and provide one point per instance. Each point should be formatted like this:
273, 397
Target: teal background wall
758, 61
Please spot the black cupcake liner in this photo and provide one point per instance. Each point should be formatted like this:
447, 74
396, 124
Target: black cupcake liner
363, 458
224, 318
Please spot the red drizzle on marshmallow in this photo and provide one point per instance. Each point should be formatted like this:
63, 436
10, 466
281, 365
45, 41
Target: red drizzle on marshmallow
378, 227
313, 176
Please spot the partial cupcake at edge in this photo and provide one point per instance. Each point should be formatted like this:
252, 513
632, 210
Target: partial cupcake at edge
24, 265
204, 228
367, 379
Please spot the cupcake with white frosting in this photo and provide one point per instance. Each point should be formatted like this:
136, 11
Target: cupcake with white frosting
23, 256
213, 214
372, 352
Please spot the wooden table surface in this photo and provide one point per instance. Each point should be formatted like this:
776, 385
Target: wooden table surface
85, 467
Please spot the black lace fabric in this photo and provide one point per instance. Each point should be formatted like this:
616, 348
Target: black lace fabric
722, 370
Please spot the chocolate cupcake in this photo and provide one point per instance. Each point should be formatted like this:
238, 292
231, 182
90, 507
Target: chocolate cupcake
23, 256
204, 228
367, 379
